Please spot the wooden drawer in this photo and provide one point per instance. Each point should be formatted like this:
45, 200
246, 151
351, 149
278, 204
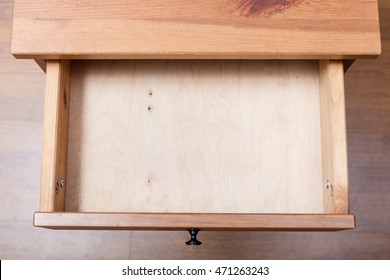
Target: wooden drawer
211, 115
208, 144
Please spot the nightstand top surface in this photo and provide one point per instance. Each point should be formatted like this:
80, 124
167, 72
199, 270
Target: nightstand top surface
251, 29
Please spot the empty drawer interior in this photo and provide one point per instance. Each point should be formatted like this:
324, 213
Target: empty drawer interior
201, 136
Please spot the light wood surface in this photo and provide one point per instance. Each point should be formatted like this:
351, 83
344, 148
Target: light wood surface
55, 136
334, 143
21, 120
161, 221
202, 29
195, 137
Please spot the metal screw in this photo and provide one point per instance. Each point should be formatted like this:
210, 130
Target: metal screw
62, 183
327, 184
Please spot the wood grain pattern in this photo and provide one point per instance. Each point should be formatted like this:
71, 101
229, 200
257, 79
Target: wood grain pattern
21, 115
195, 136
334, 142
330, 29
55, 136
162, 221
251, 8
21, 240
326, 135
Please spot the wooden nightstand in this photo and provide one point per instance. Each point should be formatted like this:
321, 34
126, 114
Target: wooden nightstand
211, 115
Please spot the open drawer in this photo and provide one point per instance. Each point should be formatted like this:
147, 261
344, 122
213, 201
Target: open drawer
211, 115
206, 144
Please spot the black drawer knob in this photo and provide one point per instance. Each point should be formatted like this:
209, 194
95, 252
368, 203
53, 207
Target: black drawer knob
193, 241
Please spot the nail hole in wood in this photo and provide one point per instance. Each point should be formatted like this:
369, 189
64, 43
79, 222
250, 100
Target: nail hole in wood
65, 99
